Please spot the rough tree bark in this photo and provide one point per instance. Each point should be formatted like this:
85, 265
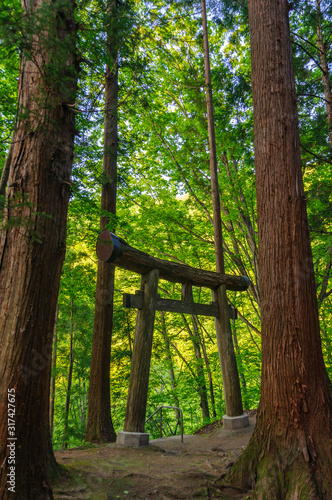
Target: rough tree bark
99, 425
289, 455
33, 242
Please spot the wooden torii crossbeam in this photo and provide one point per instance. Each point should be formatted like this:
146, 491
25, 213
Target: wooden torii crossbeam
112, 249
116, 251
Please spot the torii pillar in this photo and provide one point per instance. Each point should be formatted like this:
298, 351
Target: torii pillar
134, 426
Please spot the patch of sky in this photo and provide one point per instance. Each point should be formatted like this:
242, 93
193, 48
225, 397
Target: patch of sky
171, 107
311, 65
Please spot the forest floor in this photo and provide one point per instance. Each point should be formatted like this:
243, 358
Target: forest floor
166, 469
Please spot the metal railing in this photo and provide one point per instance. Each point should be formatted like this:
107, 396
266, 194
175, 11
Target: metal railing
161, 418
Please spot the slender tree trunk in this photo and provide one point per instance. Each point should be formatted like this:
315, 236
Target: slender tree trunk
31, 255
289, 454
324, 293
65, 439
200, 378
325, 73
53, 372
84, 404
170, 365
99, 426
246, 222
228, 360
207, 366
241, 369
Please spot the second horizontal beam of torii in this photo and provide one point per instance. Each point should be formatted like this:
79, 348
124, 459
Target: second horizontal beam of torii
177, 306
113, 249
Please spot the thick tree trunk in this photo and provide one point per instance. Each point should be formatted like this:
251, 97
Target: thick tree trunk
228, 360
290, 454
32, 253
99, 426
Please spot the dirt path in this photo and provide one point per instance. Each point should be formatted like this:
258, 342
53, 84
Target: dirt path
166, 469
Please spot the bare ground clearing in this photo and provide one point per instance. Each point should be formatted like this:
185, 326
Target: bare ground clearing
166, 469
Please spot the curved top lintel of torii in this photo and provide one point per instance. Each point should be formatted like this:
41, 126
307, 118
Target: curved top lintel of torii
114, 250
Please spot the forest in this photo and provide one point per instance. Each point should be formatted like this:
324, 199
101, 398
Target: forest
200, 134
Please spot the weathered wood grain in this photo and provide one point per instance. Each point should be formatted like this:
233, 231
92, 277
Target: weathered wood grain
140, 363
114, 250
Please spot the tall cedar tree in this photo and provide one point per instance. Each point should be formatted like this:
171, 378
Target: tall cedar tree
290, 453
33, 242
99, 426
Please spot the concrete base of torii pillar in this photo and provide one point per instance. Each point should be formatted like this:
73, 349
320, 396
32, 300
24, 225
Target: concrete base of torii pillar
132, 439
233, 423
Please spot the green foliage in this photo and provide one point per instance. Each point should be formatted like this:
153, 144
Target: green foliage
312, 111
9, 67
75, 314
164, 202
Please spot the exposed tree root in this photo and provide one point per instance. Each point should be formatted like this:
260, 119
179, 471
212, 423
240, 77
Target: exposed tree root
283, 472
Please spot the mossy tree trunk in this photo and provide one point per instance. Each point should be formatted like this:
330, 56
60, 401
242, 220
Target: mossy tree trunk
290, 453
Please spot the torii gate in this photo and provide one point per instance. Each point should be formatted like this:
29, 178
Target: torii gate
112, 249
